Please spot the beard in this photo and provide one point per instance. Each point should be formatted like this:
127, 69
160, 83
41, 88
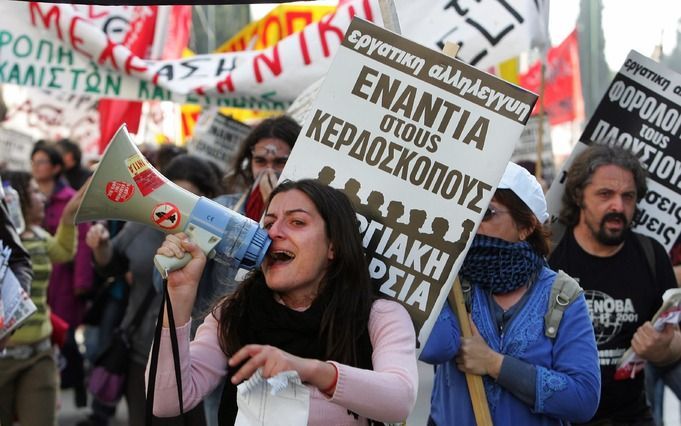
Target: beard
612, 238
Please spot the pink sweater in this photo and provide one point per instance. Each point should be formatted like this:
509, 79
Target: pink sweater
387, 393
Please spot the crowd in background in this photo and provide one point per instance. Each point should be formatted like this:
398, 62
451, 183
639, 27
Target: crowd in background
94, 278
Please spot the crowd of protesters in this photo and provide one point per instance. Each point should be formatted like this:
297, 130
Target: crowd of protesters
311, 307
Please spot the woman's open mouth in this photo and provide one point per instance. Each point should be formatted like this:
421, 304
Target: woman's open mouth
280, 256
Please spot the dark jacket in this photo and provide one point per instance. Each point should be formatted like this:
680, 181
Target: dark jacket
19, 261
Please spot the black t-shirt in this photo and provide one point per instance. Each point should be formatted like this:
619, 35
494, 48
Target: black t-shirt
621, 295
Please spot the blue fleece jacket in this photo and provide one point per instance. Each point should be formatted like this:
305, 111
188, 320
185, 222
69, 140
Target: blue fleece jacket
567, 374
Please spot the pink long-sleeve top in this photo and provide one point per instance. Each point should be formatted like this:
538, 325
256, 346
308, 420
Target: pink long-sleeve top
387, 393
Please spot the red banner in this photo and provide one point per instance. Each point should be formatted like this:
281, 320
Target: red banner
562, 95
113, 113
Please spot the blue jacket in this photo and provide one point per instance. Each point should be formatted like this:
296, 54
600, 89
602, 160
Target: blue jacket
567, 372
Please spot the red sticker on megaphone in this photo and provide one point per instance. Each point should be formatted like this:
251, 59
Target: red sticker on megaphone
166, 215
119, 192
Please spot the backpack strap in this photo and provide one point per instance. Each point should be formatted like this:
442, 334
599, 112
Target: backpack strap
564, 291
646, 245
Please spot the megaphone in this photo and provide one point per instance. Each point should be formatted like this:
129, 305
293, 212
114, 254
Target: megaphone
127, 187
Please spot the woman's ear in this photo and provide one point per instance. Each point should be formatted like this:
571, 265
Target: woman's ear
525, 232
330, 255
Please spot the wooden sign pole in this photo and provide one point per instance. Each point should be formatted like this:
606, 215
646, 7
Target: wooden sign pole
476, 388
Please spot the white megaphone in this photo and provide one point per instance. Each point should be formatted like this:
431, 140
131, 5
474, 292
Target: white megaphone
127, 187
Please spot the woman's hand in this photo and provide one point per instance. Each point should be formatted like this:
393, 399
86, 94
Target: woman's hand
267, 182
476, 357
69, 214
98, 239
97, 236
274, 361
184, 282
176, 245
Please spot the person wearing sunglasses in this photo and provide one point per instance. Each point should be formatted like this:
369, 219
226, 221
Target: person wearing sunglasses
529, 377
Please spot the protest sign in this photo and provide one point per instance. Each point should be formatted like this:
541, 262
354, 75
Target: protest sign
53, 46
15, 150
640, 112
526, 148
217, 137
418, 141
15, 304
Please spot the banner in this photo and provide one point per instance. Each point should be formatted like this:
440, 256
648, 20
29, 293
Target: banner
640, 112
279, 23
112, 113
52, 47
52, 115
419, 147
562, 82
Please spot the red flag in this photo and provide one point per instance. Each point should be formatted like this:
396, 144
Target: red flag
180, 21
113, 113
562, 83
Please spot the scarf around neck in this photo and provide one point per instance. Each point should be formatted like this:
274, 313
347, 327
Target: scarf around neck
268, 322
500, 266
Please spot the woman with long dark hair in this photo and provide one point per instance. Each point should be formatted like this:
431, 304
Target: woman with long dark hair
311, 308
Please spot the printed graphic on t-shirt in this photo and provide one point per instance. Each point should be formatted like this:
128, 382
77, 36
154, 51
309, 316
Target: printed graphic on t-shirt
608, 314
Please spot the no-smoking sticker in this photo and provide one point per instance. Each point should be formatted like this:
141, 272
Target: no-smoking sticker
166, 215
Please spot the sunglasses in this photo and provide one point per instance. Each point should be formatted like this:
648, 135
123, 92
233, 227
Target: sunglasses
491, 212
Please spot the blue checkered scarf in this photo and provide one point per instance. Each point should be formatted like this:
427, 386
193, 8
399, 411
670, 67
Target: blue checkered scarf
500, 266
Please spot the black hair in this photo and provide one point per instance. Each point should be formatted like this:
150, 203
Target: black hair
165, 154
52, 153
347, 289
282, 127
581, 173
68, 146
195, 170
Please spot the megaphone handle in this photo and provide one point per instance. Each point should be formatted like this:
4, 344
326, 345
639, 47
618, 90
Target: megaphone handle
201, 236
166, 264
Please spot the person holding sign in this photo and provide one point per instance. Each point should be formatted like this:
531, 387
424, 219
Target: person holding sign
311, 309
624, 274
533, 374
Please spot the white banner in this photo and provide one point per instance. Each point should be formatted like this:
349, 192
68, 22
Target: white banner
419, 148
640, 112
54, 47
52, 115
